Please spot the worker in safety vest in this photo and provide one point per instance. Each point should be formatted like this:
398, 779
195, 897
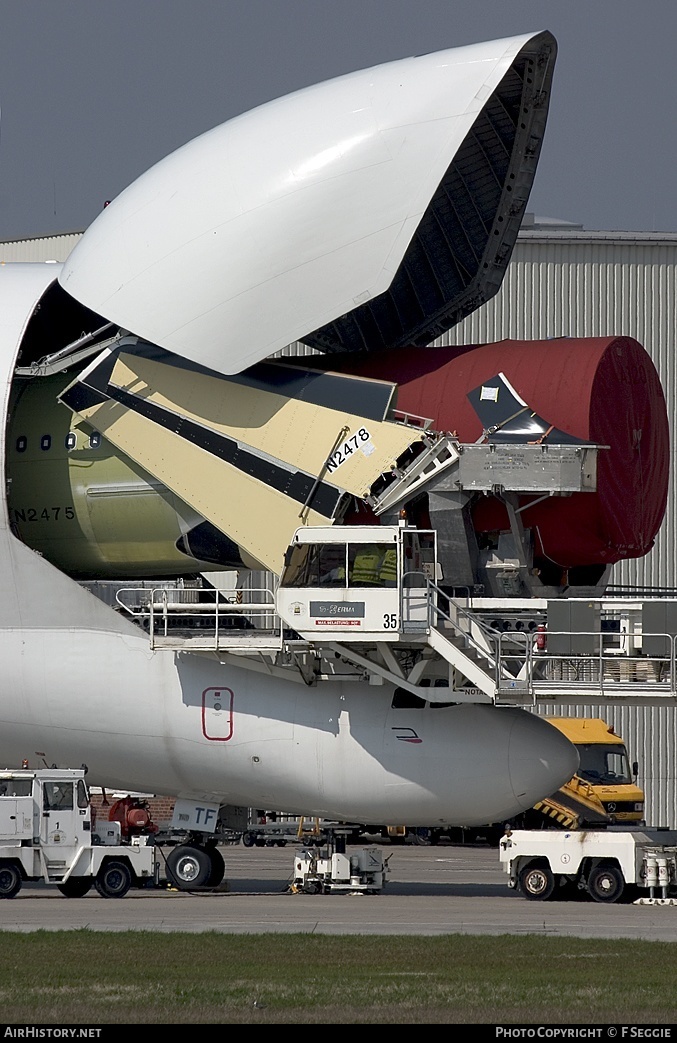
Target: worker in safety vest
365, 571
388, 569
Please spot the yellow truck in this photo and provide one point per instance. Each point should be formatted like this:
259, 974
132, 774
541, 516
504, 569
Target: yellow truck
605, 774
603, 792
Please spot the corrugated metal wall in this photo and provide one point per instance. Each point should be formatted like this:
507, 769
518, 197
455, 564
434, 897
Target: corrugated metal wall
49, 248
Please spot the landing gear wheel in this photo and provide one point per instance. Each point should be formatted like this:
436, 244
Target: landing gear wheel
75, 886
536, 881
189, 867
218, 870
113, 880
10, 880
606, 884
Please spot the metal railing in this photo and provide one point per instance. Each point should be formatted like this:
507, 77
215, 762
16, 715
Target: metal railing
608, 668
211, 618
422, 606
521, 663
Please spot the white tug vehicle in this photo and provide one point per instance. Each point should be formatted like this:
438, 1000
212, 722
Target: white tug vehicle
47, 834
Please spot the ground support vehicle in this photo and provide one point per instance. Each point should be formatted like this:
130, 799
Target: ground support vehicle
47, 833
607, 865
330, 871
604, 770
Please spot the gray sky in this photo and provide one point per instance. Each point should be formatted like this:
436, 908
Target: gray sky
93, 93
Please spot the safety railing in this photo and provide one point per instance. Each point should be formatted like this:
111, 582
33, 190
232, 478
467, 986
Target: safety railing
401, 416
615, 666
204, 618
612, 666
424, 605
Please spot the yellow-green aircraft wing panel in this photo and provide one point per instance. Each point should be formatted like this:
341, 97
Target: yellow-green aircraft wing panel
321, 434
259, 517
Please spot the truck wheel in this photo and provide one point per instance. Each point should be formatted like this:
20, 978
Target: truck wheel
536, 881
10, 880
189, 867
75, 886
218, 870
606, 883
248, 839
113, 880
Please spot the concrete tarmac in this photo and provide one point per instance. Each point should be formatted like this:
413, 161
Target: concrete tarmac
430, 891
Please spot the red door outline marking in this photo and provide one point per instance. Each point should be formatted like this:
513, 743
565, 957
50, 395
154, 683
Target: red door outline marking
217, 701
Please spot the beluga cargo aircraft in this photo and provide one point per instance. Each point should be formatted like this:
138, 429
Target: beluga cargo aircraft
154, 439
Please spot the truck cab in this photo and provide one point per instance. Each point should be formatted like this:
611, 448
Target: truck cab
605, 767
54, 812
46, 833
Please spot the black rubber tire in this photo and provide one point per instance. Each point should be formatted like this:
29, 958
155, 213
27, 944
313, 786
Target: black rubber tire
10, 880
75, 886
536, 881
113, 880
606, 884
189, 867
248, 839
218, 870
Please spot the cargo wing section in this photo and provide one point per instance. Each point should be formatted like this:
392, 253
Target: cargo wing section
257, 454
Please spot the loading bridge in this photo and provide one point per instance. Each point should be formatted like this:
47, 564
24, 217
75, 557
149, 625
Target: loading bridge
330, 618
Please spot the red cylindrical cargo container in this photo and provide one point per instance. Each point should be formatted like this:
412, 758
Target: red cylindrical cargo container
604, 390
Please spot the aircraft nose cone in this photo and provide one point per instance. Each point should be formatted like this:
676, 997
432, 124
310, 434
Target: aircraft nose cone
540, 759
